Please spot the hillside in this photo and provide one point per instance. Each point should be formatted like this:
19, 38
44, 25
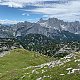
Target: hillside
18, 59
38, 43
48, 46
21, 64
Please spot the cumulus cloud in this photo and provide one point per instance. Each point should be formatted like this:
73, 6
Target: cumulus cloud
67, 11
59, 8
19, 3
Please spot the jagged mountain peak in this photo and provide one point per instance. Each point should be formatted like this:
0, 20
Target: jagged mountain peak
51, 27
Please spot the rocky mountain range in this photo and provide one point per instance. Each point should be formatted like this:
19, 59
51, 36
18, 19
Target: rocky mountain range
53, 28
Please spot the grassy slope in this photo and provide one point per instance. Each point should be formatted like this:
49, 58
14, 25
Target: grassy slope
14, 67
19, 58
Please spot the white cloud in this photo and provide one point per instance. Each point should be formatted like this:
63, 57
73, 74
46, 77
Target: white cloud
59, 8
25, 14
28, 14
12, 4
44, 16
9, 21
6, 21
19, 3
67, 11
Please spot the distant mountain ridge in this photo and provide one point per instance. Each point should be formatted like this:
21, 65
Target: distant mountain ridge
53, 28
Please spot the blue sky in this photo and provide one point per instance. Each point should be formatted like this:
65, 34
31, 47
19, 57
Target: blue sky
13, 11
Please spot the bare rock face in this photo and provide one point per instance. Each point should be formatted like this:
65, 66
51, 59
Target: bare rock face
53, 28
54, 23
